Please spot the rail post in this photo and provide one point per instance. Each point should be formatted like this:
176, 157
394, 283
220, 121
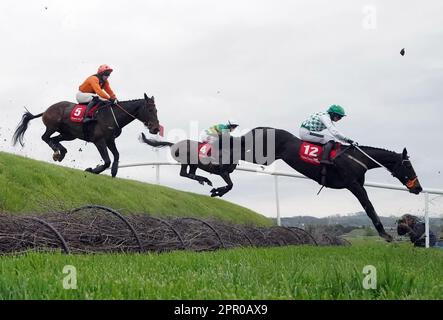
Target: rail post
427, 219
277, 200
157, 174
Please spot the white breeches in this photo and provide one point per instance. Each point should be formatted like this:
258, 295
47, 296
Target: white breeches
209, 138
86, 97
321, 137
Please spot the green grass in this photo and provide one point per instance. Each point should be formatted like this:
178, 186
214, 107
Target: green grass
29, 186
298, 272
301, 272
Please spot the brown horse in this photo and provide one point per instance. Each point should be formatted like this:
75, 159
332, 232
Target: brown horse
111, 119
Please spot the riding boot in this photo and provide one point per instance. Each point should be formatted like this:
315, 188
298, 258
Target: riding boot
88, 108
325, 161
327, 148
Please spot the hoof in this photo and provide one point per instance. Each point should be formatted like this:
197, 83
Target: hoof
89, 170
209, 183
56, 156
61, 157
387, 237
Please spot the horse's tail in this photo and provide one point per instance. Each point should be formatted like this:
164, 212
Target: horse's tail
155, 143
23, 126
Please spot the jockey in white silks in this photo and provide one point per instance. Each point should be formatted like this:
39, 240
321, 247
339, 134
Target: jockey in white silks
319, 128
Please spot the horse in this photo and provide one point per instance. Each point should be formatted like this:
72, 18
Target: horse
264, 145
186, 152
348, 171
110, 120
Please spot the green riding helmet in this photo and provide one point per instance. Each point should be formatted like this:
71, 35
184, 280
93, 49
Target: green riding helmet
335, 108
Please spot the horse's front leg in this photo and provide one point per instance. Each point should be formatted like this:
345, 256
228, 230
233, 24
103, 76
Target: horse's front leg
102, 148
220, 192
111, 146
192, 175
359, 191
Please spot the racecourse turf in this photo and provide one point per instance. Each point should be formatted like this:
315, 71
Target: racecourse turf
295, 272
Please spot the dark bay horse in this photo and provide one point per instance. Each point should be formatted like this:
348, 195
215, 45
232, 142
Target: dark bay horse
348, 171
265, 145
111, 119
186, 153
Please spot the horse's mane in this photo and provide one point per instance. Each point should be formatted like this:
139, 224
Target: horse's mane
377, 149
133, 100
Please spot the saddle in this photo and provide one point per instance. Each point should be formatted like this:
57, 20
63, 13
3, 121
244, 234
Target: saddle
312, 153
78, 113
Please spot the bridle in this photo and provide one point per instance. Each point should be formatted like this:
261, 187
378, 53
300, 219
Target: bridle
125, 111
409, 184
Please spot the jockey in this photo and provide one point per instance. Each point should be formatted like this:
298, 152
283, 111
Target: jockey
96, 88
319, 128
216, 132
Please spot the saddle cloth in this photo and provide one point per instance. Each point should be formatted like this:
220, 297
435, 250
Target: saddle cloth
312, 153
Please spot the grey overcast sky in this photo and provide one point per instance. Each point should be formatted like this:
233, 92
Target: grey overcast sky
261, 62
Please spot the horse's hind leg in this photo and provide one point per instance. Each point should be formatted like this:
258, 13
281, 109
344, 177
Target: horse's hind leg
46, 137
220, 192
61, 149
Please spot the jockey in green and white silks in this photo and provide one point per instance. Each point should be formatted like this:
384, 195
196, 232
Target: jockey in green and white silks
319, 128
215, 132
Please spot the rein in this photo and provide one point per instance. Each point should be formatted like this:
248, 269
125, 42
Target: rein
115, 119
121, 108
367, 155
409, 184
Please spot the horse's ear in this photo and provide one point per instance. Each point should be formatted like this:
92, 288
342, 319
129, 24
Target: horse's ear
405, 154
152, 98
146, 97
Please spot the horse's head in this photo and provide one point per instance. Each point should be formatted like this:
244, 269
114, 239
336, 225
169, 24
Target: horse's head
148, 115
404, 172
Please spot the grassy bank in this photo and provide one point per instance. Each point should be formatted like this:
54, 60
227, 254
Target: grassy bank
29, 186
